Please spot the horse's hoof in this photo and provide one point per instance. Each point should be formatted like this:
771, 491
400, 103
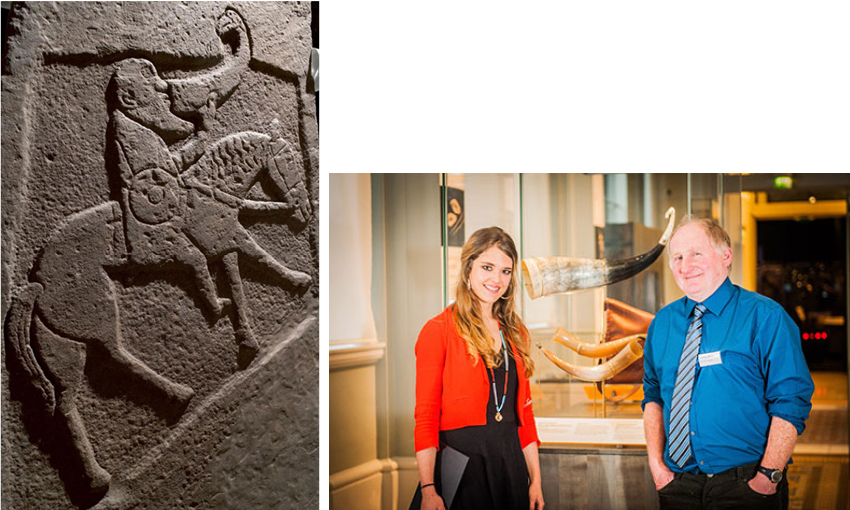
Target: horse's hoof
99, 481
184, 394
221, 306
180, 398
301, 279
248, 347
245, 338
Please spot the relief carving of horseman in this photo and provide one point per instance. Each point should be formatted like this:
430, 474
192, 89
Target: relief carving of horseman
177, 208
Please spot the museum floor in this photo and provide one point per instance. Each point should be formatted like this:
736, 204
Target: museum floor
820, 475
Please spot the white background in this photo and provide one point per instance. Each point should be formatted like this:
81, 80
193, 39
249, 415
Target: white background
591, 86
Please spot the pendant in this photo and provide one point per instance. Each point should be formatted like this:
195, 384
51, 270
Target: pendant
498, 416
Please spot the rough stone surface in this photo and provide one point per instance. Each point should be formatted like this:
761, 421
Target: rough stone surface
160, 189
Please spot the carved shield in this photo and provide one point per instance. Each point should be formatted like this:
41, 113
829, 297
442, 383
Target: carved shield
155, 196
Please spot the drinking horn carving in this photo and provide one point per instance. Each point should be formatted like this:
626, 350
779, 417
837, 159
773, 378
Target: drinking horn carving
552, 275
204, 92
627, 355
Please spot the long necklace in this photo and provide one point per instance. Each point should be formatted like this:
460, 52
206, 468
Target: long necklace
507, 370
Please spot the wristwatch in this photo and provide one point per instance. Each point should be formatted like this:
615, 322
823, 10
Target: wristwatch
774, 475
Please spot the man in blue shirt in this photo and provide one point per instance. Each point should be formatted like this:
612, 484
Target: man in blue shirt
727, 365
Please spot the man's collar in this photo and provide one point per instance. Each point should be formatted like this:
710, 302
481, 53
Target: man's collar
716, 302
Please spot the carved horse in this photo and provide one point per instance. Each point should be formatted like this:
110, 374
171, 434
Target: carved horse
217, 185
69, 310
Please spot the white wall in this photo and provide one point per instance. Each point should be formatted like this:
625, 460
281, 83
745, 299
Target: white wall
350, 258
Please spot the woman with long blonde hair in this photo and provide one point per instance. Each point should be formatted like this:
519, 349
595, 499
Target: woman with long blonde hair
472, 387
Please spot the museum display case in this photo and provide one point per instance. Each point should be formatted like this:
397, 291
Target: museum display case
601, 227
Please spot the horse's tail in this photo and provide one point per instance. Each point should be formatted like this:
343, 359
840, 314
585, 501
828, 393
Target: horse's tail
20, 321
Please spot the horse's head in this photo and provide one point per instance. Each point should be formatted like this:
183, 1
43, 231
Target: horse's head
143, 96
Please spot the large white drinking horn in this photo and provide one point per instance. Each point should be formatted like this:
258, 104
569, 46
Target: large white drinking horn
602, 372
553, 275
603, 350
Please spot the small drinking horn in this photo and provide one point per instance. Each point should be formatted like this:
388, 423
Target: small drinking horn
553, 275
601, 350
605, 371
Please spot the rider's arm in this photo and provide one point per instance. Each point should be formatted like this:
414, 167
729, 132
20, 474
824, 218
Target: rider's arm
190, 151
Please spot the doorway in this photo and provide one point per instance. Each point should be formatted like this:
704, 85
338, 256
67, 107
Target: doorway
802, 266
795, 252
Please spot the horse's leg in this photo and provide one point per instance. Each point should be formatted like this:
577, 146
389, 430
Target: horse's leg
248, 346
175, 395
249, 248
64, 360
188, 255
100, 329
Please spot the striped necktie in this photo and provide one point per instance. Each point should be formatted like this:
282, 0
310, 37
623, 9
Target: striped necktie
680, 410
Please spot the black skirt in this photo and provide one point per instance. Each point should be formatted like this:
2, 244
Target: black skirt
496, 475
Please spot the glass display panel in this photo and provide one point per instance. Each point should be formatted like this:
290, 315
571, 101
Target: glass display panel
586, 217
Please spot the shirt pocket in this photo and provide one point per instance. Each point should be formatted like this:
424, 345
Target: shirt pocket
736, 374
744, 422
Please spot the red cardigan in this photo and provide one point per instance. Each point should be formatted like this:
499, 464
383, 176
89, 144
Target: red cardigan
452, 393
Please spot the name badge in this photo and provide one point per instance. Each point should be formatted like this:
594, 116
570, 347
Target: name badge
710, 358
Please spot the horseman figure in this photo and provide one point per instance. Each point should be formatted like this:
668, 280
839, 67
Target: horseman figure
166, 207
153, 197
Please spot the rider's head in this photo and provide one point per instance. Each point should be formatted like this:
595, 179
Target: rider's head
142, 95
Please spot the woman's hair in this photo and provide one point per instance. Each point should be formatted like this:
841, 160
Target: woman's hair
467, 316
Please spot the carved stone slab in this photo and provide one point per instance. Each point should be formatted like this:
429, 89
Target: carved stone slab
160, 189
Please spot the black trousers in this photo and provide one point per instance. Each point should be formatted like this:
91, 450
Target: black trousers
723, 491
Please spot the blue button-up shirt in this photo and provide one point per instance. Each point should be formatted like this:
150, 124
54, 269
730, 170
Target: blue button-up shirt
761, 373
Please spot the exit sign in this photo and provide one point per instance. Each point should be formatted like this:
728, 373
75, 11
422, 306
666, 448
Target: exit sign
783, 182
